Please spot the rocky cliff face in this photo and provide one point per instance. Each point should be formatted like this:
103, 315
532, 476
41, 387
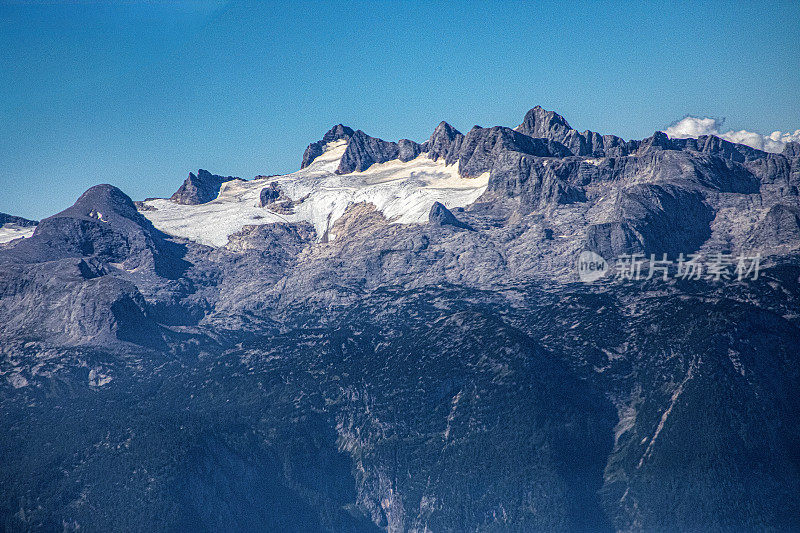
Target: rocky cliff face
200, 188
375, 348
316, 149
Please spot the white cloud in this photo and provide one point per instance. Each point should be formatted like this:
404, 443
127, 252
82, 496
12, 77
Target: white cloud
697, 126
694, 127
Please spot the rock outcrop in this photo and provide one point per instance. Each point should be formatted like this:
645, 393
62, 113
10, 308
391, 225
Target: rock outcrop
481, 147
444, 143
792, 150
441, 216
269, 194
653, 219
534, 182
544, 124
316, 149
364, 151
778, 232
200, 188
17, 221
104, 224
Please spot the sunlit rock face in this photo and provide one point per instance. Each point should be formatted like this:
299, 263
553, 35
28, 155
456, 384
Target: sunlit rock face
396, 337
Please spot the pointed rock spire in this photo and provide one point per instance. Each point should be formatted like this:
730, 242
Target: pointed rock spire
363, 151
439, 215
445, 142
539, 122
200, 188
316, 149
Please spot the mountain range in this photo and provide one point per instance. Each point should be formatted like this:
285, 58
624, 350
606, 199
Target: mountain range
397, 337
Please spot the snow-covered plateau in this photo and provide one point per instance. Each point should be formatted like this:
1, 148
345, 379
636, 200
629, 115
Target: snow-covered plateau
9, 232
402, 192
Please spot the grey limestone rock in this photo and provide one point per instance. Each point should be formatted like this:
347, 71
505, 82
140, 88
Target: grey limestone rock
200, 188
441, 216
792, 149
364, 151
315, 149
444, 143
408, 150
535, 182
778, 232
269, 194
653, 219
482, 146
711, 144
541, 123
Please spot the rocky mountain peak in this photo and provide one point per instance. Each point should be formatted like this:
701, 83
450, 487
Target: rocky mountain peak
441, 216
101, 202
316, 149
364, 151
338, 132
444, 131
200, 188
444, 142
658, 141
539, 122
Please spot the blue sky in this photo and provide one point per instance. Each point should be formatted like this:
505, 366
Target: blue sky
141, 93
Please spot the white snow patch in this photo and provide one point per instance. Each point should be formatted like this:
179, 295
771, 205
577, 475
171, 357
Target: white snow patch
9, 232
403, 192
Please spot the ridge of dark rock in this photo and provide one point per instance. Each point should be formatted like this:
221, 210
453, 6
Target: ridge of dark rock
19, 221
541, 123
792, 149
482, 146
711, 144
200, 188
439, 215
316, 149
364, 151
444, 142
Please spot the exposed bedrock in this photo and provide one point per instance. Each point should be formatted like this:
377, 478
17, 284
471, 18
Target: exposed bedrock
777, 232
441, 216
57, 281
535, 182
316, 149
200, 188
653, 219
